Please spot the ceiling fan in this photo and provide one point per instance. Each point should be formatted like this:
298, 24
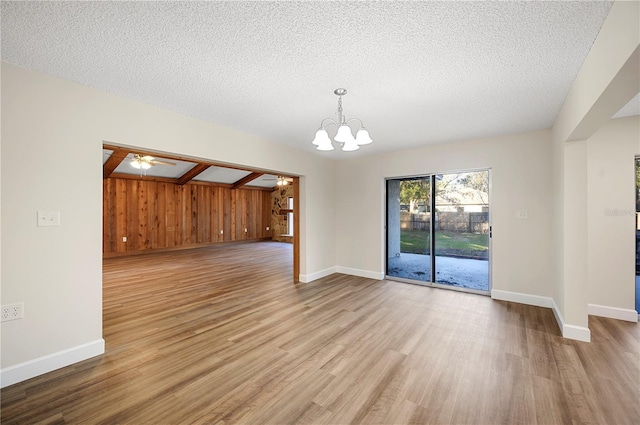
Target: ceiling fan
144, 162
281, 180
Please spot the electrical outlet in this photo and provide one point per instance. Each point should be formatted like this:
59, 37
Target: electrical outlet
221, 232
12, 312
124, 239
267, 228
245, 230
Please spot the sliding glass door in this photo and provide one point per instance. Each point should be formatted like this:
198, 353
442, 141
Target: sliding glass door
443, 214
409, 228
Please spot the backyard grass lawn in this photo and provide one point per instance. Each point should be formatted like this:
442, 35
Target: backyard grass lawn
469, 245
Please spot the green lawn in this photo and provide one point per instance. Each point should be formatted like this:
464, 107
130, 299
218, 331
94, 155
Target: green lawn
470, 245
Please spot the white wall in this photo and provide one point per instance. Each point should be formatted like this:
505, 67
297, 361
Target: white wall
607, 80
521, 181
557, 177
611, 213
52, 135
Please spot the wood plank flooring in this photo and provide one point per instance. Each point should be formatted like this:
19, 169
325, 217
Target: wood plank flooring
221, 335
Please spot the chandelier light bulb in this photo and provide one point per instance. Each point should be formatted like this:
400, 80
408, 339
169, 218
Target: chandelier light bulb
328, 146
350, 146
322, 137
362, 137
344, 134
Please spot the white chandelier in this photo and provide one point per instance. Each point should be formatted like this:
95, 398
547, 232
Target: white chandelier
343, 135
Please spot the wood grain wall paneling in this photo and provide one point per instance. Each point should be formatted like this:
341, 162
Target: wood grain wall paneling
161, 219
154, 220
227, 203
159, 215
121, 214
132, 217
143, 216
194, 214
108, 217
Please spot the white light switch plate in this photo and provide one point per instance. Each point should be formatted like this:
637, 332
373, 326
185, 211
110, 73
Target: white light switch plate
48, 218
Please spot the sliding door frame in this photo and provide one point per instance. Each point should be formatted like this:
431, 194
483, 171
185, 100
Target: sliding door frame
432, 258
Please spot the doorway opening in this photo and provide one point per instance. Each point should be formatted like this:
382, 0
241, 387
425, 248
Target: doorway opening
167, 202
438, 230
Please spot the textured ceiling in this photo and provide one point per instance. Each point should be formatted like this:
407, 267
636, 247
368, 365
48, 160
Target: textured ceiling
417, 72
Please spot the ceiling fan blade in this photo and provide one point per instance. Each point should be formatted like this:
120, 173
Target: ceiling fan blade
156, 162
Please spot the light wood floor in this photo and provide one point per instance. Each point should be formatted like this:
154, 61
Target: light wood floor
221, 336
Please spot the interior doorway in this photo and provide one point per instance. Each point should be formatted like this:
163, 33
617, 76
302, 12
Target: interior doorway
438, 230
155, 201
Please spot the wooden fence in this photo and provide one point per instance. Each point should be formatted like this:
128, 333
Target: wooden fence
468, 222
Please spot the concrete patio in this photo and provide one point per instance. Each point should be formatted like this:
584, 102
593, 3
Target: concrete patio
459, 272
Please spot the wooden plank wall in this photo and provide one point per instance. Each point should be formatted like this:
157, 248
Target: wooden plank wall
159, 215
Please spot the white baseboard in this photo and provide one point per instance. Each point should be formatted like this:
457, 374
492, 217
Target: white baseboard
521, 298
32, 368
579, 333
361, 273
306, 278
613, 312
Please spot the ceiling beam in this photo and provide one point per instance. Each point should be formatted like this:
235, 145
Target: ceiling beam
143, 177
246, 180
175, 181
175, 157
114, 160
189, 175
201, 163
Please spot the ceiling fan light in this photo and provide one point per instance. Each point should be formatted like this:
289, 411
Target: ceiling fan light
145, 165
362, 137
322, 137
136, 164
344, 134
